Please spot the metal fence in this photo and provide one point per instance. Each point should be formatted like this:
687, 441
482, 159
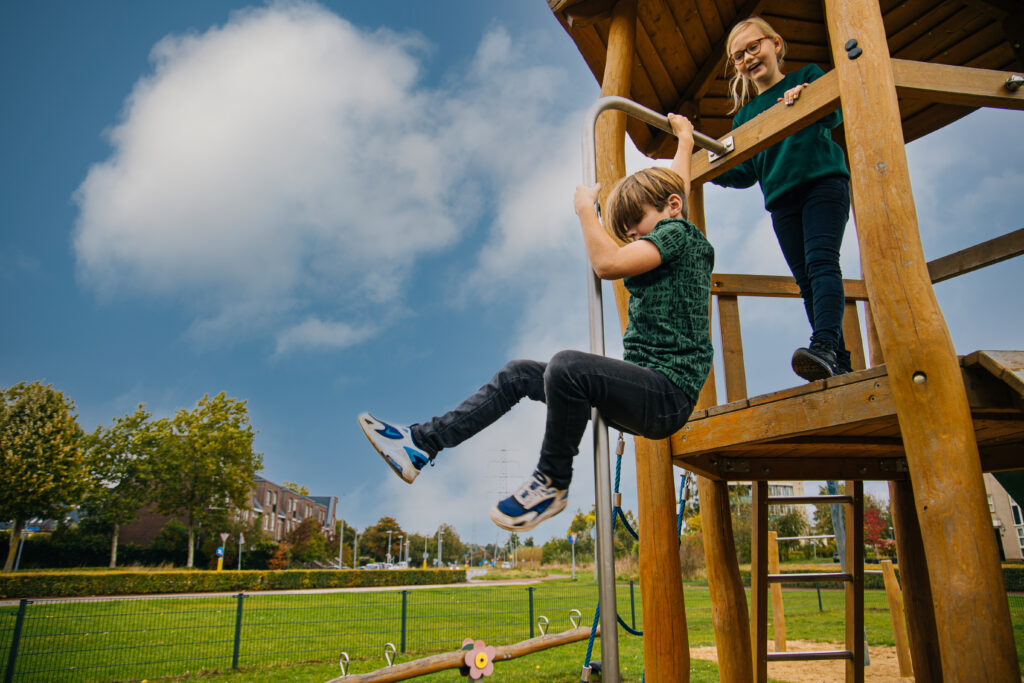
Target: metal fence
143, 638
127, 639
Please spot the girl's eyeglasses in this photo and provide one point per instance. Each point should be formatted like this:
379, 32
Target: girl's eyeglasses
752, 49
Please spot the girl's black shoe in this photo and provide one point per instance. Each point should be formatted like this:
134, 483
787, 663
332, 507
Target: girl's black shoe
816, 362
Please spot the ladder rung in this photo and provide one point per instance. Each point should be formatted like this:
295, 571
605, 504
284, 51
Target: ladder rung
811, 500
821, 577
809, 656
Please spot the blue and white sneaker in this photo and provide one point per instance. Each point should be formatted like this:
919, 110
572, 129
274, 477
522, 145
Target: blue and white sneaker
395, 445
535, 501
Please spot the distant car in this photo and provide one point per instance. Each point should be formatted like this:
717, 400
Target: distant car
506, 565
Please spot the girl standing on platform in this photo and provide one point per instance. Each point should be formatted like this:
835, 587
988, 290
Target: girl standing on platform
806, 189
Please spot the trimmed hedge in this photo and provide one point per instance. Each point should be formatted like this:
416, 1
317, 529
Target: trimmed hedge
1013, 577
82, 584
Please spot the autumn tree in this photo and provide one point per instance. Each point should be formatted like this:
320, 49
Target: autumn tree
307, 542
120, 461
205, 463
43, 471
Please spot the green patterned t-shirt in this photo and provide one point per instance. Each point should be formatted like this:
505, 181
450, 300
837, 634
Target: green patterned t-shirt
668, 307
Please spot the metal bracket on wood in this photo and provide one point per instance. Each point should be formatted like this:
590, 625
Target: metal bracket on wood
734, 465
729, 146
893, 465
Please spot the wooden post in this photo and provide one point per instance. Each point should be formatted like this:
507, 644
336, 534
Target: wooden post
854, 523
972, 615
778, 613
918, 604
758, 584
917, 590
729, 615
666, 646
899, 623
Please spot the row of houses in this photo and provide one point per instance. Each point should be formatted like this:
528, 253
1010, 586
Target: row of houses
279, 509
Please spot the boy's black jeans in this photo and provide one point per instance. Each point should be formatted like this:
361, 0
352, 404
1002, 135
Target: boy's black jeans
630, 398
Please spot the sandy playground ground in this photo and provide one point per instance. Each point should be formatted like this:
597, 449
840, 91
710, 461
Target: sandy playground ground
884, 666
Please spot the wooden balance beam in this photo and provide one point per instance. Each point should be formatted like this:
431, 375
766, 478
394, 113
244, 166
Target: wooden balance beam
454, 660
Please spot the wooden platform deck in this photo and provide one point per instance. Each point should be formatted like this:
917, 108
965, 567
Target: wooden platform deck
849, 425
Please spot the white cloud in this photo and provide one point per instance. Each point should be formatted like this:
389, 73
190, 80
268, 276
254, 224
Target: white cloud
313, 333
264, 163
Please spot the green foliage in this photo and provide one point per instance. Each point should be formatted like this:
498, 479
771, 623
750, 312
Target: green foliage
206, 463
43, 472
691, 555
307, 542
373, 542
792, 523
67, 584
741, 529
120, 461
556, 550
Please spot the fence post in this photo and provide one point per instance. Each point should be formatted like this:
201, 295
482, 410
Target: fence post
530, 590
818, 586
632, 606
405, 595
238, 630
16, 637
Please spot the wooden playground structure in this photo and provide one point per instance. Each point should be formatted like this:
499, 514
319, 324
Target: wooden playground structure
915, 414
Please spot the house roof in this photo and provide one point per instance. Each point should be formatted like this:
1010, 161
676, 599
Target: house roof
680, 51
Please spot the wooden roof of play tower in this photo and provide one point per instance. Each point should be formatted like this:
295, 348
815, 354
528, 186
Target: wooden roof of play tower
680, 51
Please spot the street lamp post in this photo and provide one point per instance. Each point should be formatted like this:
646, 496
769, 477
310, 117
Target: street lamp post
389, 546
401, 544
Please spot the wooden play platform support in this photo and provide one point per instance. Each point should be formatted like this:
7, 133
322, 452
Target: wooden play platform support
922, 418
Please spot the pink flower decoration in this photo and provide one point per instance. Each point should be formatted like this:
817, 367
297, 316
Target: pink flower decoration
479, 660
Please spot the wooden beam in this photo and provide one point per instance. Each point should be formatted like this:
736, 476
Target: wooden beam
816, 101
925, 382
732, 284
732, 348
898, 618
759, 580
456, 659
666, 653
729, 616
917, 590
846, 404
721, 469
979, 256
959, 85
854, 521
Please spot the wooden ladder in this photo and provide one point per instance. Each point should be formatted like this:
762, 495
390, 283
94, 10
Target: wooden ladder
851, 575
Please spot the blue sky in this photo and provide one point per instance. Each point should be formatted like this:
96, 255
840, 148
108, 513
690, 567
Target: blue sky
325, 208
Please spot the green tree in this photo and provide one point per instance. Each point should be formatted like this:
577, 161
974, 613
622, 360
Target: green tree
43, 471
205, 463
120, 459
787, 525
452, 547
373, 542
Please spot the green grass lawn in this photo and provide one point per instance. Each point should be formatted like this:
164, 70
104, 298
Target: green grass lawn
298, 637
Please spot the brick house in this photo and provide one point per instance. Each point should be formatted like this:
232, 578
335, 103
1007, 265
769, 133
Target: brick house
281, 509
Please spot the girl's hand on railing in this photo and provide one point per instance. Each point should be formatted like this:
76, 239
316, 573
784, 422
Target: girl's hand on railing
792, 94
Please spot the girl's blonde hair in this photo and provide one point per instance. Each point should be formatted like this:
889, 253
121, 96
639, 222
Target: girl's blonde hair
742, 89
634, 193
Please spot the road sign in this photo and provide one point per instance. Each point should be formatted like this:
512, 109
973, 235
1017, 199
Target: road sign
572, 538
224, 536
241, 539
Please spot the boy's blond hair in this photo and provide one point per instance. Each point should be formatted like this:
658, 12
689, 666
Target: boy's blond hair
742, 89
634, 193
